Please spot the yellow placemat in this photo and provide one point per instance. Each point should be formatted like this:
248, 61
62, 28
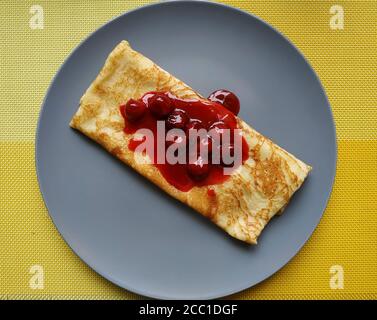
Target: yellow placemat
339, 38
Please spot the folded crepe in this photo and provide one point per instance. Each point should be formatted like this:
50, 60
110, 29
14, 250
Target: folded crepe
244, 203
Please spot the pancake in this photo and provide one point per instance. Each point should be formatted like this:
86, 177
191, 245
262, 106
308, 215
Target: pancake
242, 206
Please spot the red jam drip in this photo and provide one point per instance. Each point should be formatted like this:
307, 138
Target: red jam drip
211, 193
196, 112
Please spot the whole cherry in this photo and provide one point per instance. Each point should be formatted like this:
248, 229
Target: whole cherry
219, 128
227, 98
134, 110
177, 119
194, 124
160, 105
198, 170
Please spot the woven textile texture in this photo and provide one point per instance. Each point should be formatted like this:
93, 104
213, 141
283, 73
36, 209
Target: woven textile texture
344, 59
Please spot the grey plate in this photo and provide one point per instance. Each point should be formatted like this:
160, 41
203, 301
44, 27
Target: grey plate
128, 230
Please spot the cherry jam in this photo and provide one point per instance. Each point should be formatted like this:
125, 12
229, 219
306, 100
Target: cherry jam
217, 113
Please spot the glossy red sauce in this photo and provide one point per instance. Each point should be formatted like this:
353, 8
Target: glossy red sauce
183, 114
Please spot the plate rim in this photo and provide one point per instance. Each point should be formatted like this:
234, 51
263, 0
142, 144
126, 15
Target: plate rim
109, 277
